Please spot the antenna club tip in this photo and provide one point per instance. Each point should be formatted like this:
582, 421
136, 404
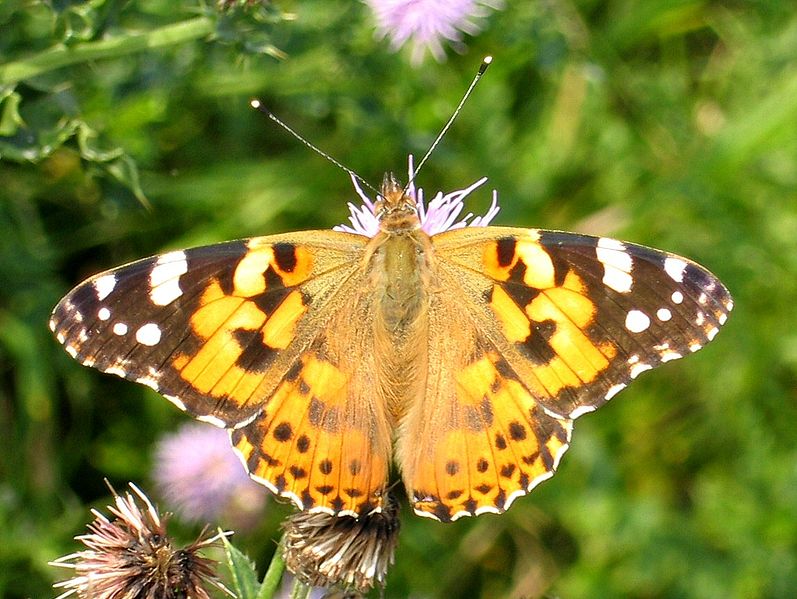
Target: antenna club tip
485, 63
255, 103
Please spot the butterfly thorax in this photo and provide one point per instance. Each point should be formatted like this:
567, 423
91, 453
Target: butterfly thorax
399, 263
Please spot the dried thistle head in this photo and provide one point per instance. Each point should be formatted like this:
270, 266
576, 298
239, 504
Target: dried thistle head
130, 556
326, 550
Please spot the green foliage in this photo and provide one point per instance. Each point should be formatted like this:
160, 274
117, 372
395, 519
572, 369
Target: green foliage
125, 130
242, 572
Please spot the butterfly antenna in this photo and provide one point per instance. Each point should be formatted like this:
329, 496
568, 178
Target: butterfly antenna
258, 105
482, 68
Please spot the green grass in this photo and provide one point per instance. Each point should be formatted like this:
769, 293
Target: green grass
125, 130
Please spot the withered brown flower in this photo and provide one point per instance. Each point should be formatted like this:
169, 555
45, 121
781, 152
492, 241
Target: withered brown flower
343, 551
130, 556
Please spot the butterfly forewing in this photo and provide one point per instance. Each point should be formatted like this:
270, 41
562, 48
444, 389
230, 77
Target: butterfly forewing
581, 316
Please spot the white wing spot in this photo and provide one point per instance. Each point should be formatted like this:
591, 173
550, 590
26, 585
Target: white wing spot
703, 298
148, 334
723, 318
117, 370
617, 264
694, 347
639, 369
614, 390
663, 314
71, 350
103, 313
61, 337
711, 333
551, 413
675, 268
633, 359
637, 321
618, 280
729, 305
670, 355
700, 319
677, 297
612, 244
580, 411
178, 402
546, 475
52, 325
215, 421
560, 453
418, 512
149, 382
164, 280
120, 329
104, 285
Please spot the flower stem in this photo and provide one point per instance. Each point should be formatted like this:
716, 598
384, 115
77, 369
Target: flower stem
300, 590
62, 55
271, 580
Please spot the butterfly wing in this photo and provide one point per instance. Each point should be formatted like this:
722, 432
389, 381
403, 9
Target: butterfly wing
477, 438
232, 333
580, 316
556, 325
332, 431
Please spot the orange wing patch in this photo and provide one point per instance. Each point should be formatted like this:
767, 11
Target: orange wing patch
304, 445
546, 312
239, 329
499, 446
501, 261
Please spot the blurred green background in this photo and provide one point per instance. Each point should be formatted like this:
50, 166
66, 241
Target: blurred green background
125, 130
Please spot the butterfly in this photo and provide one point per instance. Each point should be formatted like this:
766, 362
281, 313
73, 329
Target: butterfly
461, 355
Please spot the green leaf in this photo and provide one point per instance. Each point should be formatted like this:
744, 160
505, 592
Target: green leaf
242, 570
115, 162
10, 120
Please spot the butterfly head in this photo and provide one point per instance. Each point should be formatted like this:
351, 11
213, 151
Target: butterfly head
395, 208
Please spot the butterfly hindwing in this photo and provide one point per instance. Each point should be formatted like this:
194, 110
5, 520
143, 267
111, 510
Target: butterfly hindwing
323, 439
477, 439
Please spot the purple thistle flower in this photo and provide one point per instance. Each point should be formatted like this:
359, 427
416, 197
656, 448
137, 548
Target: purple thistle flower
440, 214
426, 22
200, 476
